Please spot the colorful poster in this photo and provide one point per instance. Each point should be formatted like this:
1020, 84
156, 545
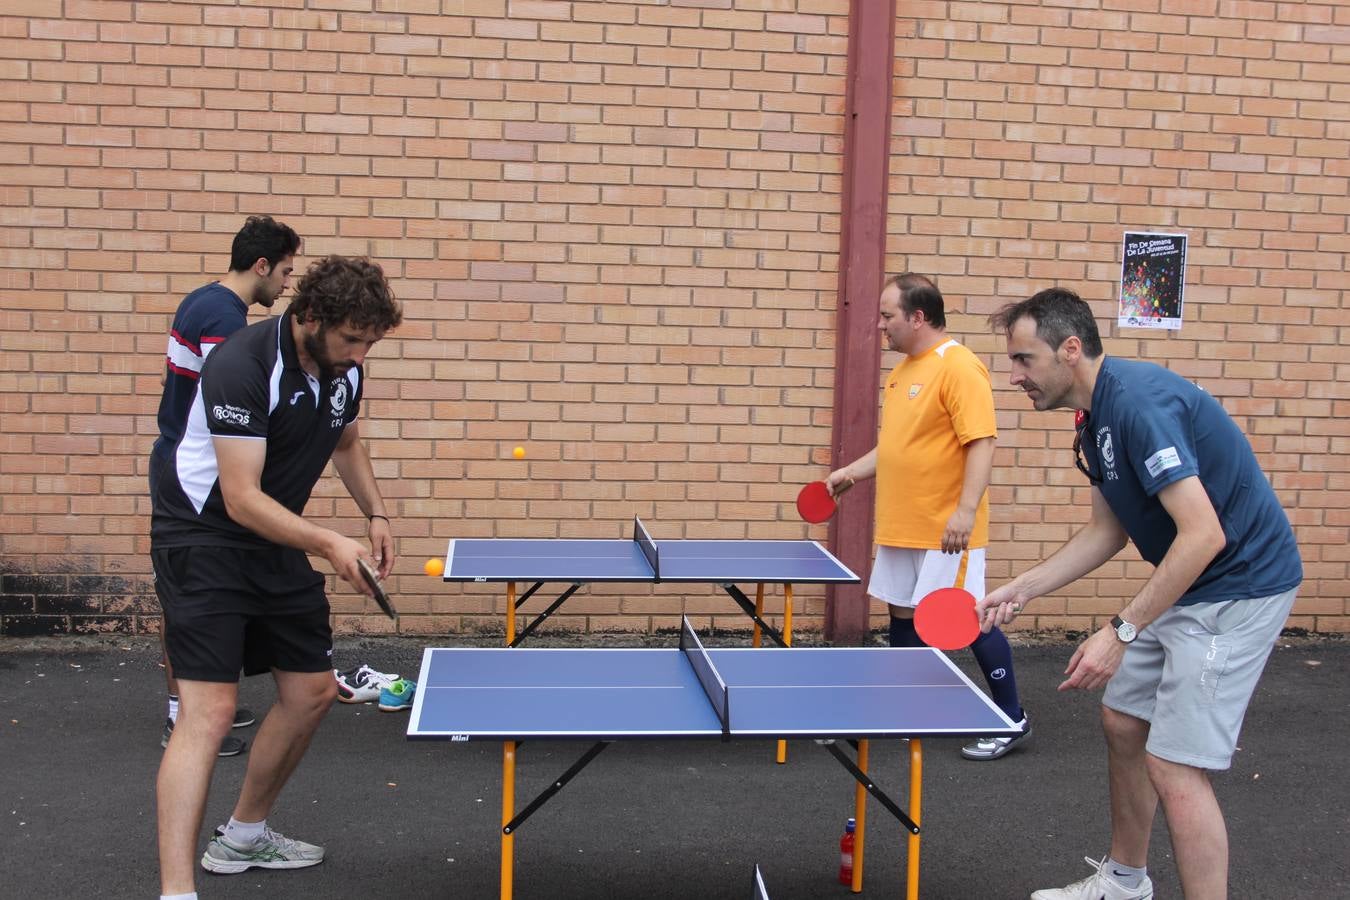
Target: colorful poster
1152, 275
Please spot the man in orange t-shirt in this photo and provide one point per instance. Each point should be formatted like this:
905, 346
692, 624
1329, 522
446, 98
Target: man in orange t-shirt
932, 464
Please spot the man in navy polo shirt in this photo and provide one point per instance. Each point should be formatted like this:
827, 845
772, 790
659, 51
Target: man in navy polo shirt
275, 403
1171, 472
262, 257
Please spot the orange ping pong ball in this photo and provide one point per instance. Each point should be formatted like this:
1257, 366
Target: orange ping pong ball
518, 453
433, 567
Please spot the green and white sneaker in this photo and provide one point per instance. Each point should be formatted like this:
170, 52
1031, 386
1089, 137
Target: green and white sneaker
272, 851
398, 696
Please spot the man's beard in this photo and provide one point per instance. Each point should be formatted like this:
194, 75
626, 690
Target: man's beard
263, 296
316, 347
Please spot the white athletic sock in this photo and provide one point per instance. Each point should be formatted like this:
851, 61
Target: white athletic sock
191, 896
1128, 876
173, 709
244, 834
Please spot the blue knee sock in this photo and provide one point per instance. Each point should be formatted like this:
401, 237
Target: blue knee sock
904, 635
994, 655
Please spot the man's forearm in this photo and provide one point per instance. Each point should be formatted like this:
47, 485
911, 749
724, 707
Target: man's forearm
1084, 552
863, 467
358, 475
1199, 539
1186, 559
979, 468
268, 519
1102, 538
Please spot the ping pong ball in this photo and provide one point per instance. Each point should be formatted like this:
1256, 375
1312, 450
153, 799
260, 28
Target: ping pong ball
433, 567
518, 453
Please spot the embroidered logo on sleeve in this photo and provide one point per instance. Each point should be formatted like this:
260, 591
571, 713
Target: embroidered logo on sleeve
1164, 459
233, 415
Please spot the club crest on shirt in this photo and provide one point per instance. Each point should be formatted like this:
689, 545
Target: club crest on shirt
914, 390
1106, 452
338, 400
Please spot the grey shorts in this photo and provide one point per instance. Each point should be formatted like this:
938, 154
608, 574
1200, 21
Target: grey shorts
1191, 673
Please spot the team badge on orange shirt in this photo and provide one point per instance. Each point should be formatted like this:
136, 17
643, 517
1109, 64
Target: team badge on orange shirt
914, 390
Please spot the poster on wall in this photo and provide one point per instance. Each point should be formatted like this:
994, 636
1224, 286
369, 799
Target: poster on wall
1152, 275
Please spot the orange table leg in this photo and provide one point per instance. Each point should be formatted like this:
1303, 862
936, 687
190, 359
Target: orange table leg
915, 813
510, 612
860, 820
787, 639
508, 813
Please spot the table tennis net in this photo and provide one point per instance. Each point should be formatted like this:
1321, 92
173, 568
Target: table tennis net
648, 547
719, 695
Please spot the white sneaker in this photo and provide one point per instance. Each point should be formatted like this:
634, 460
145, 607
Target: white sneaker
362, 684
272, 851
1098, 886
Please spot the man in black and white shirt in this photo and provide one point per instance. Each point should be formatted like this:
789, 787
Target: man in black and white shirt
276, 402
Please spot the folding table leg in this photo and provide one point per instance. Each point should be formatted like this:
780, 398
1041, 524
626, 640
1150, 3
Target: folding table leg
787, 641
756, 637
915, 813
510, 612
860, 820
508, 813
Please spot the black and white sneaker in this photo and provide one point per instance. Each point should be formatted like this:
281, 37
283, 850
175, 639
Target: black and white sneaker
362, 684
987, 748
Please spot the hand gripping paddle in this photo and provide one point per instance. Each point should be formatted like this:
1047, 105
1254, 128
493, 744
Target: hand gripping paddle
814, 503
381, 595
946, 619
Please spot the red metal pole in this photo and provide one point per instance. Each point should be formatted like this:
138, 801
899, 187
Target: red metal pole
862, 254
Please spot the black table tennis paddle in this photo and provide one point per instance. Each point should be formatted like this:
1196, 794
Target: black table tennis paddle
381, 595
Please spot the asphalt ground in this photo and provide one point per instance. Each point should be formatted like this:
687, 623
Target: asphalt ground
80, 724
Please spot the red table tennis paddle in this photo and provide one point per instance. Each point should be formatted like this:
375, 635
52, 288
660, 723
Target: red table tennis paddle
946, 619
814, 503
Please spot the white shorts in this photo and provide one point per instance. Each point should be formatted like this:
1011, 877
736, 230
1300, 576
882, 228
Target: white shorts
903, 576
1190, 674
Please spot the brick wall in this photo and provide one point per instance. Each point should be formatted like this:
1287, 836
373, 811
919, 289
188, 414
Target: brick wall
615, 229
1030, 137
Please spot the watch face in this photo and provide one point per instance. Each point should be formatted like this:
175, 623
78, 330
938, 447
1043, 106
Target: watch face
1126, 632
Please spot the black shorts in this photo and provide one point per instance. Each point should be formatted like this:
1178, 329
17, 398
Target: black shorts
227, 609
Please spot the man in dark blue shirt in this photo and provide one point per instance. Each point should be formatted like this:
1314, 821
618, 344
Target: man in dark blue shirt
1171, 472
275, 403
262, 257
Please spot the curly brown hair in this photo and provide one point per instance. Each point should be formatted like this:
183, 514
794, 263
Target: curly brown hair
338, 290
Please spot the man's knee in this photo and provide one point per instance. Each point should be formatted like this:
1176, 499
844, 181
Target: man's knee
1175, 780
206, 708
1124, 733
308, 694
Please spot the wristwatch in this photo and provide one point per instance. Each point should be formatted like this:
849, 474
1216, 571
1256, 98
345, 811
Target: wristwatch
1124, 630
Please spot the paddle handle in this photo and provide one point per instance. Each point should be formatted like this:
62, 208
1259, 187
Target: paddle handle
839, 491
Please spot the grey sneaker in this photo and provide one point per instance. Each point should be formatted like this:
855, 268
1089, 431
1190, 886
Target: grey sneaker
272, 851
229, 746
993, 747
1097, 886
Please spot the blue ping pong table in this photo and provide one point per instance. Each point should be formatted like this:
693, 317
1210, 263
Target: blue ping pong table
608, 695
643, 560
